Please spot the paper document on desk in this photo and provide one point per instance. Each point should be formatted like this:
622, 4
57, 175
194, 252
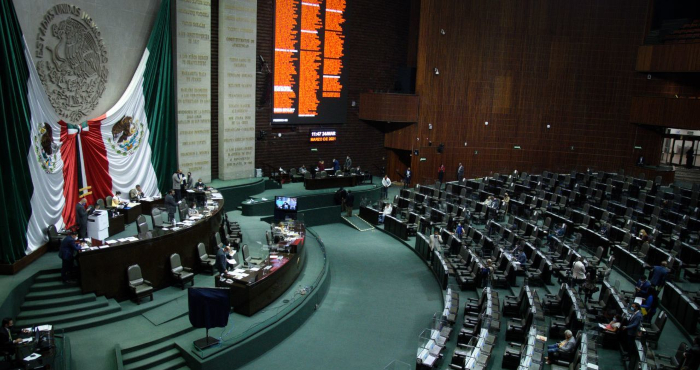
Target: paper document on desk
132, 239
26, 340
255, 269
132, 205
110, 241
44, 327
123, 240
638, 300
32, 357
190, 191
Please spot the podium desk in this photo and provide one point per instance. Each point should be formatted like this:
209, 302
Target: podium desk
103, 267
116, 225
147, 206
331, 182
130, 214
256, 291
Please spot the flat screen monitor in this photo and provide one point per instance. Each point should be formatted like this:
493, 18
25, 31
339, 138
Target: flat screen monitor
286, 204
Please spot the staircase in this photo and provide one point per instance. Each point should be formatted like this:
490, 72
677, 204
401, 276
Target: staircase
358, 223
159, 354
49, 301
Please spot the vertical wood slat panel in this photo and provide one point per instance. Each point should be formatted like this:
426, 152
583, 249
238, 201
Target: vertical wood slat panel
523, 65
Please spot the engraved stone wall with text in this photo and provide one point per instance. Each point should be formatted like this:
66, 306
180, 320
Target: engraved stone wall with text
193, 22
237, 63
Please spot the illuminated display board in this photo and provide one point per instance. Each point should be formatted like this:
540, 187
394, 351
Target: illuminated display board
309, 69
322, 136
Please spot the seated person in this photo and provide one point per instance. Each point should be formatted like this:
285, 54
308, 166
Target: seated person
302, 169
116, 199
567, 346
199, 184
560, 231
192, 211
522, 258
386, 211
135, 194
641, 289
613, 325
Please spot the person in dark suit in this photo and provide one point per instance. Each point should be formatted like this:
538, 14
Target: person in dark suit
460, 172
407, 178
8, 342
658, 276
441, 174
349, 201
221, 263
81, 218
171, 205
69, 246
199, 184
632, 327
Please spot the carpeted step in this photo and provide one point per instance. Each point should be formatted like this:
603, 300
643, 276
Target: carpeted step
62, 310
182, 326
57, 302
158, 359
47, 285
66, 291
178, 363
43, 278
145, 353
112, 307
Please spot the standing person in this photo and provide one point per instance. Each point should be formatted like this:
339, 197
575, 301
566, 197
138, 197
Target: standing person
348, 164
632, 327
81, 218
221, 263
649, 306
689, 157
486, 274
459, 231
658, 276
435, 240
349, 201
336, 165
176, 184
441, 174
460, 172
506, 200
578, 271
321, 166
386, 184
189, 181
69, 246
171, 205
407, 178
641, 289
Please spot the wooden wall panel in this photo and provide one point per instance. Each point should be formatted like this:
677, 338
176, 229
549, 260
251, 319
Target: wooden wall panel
389, 107
376, 46
669, 58
666, 112
523, 65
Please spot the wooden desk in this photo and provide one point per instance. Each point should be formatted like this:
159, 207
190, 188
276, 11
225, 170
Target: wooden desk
116, 225
147, 206
257, 290
130, 214
331, 182
103, 270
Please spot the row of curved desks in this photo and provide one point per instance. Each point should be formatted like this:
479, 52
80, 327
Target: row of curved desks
103, 267
255, 287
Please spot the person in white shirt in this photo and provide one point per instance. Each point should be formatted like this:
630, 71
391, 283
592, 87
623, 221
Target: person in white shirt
386, 211
435, 240
578, 271
386, 183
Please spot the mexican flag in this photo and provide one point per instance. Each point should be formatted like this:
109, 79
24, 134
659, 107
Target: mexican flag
133, 143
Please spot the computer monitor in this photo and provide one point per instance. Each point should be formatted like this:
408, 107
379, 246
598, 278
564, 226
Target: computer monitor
245, 254
285, 208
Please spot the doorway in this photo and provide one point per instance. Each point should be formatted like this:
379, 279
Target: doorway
676, 149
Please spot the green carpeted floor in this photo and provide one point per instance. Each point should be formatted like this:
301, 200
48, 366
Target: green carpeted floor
381, 297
